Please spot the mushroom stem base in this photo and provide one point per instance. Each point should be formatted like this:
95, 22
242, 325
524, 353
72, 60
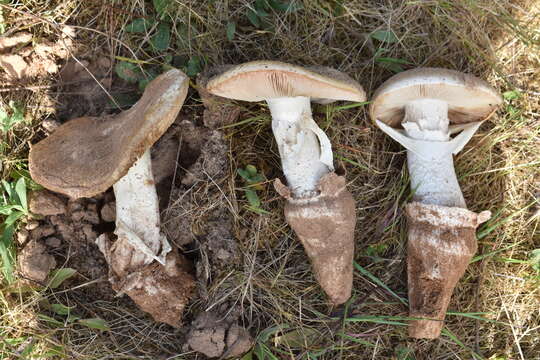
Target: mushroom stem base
305, 150
325, 226
441, 243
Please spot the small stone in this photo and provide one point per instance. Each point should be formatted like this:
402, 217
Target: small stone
209, 342
53, 242
77, 215
46, 203
17, 39
89, 233
75, 205
41, 232
91, 214
31, 225
34, 261
108, 212
22, 236
239, 341
104, 62
14, 66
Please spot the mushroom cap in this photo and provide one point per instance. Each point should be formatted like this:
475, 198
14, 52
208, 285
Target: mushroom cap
87, 155
261, 80
468, 97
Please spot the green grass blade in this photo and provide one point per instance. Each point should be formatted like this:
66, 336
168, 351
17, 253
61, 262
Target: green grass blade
380, 283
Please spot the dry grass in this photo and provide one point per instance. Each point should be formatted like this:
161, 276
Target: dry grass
499, 170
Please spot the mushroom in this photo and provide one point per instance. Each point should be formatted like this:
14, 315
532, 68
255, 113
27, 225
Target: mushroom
432, 104
86, 156
319, 208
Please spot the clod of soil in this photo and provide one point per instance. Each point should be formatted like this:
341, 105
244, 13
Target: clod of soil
197, 202
161, 291
34, 61
46, 203
218, 111
108, 212
215, 337
77, 232
34, 261
84, 82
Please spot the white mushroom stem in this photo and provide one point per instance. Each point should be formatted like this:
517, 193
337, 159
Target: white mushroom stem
429, 151
137, 213
305, 150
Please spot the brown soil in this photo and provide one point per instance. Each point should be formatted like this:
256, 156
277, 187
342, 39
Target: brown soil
214, 335
191, 168
23, 61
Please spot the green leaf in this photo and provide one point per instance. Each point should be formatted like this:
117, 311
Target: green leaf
194, 66
404, 353
375, 319
139, 25
95, 323
390, 60
376, 249
59, 276
289, 7
244, 174
252, 170
266, 333
298, 338
248, 356
231, 29
260, 8
379, 282
50, 320
252, 198
7, 121
162, 37
127, 71
20, 189
253, 18
161, 6
385, 36
143, 82
257, 178
534, 259
61, 309
8, 188
7, 254
13, 217
8, 209
511, 95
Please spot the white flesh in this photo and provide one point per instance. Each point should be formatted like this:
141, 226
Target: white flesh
430, 149
305, 150
137, 213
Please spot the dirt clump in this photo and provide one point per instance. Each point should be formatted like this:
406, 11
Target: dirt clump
69, 235
35, 262
215, 336
23, 62
46, 203
108, 212
197, 199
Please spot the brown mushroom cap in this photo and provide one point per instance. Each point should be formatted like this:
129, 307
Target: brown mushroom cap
86, 156
468, 97
261, 80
